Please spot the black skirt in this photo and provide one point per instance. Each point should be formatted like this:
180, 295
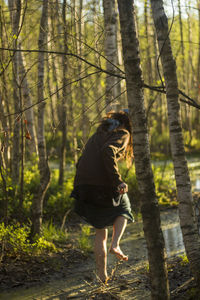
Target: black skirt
100, 205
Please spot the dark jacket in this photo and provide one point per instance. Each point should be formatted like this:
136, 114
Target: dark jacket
98, 163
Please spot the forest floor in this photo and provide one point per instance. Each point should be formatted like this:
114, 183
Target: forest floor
69, 274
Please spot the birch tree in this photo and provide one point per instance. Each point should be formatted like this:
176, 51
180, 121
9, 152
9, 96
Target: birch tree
144, 175
184, 195
37, 206
110, 27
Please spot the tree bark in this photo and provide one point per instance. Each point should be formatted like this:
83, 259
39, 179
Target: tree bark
37, 206
110, 27
15, 10
32, 146
149, 205
186, 213
197, 114
63, 124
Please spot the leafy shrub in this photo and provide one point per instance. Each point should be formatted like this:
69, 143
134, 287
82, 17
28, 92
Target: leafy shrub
52, 233
14, 240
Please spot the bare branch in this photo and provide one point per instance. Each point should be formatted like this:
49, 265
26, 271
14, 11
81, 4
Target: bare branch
63, 53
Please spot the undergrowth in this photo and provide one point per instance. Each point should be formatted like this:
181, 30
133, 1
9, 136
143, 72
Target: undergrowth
15, 241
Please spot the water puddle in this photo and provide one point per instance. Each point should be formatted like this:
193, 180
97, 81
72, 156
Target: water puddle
172, 233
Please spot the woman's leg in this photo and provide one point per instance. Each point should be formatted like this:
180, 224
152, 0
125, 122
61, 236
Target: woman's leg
100, 250
118, 230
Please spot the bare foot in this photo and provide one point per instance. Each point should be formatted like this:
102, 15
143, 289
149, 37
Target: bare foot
118, 253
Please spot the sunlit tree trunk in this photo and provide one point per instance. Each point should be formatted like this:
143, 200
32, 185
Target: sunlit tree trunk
144, 175
149, 70
110, 27
197, 114
186, 213
190, 73
37, 207
96, 56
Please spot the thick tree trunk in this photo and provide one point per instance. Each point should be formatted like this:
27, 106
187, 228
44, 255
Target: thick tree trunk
37, 206
182, 177
110, 27
149, 205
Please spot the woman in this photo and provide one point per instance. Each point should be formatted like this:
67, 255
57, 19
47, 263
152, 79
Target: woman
100, 193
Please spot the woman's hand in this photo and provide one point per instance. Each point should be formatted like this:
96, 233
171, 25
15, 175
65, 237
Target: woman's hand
123, 188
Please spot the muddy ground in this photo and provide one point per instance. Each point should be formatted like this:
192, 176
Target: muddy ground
70, 274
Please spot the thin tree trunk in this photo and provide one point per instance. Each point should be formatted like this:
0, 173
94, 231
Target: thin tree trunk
5, 129
37, 206
149, 205
81, 94
32, 146
186, 213
197, 114
15, 10
97, 86
63, 125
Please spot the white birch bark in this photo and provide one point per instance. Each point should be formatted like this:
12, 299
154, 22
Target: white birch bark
186, 213
110, 27
37, 206
149, 205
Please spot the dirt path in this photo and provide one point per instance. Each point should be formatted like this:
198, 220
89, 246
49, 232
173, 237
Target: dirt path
129, 279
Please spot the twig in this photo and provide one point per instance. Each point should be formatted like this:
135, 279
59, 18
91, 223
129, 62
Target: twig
64, 218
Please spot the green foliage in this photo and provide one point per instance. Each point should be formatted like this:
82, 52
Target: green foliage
52, 233
184, 259
164, 184
15, 240
57, 199
84, 242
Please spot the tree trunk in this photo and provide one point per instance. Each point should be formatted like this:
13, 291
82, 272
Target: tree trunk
149, 205
197, 114
110, 27
63, 125
182, 177
32, 146
81, 91
15, 10
37, 206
